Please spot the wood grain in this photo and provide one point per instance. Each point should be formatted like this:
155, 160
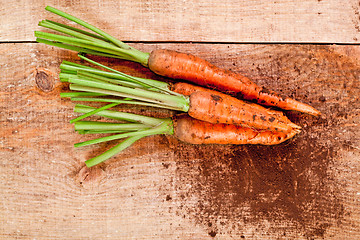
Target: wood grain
161, 188
315, 21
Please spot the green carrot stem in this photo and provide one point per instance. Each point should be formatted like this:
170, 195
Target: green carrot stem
78, 87
108, 138
73, 48
129, 52
93, 112
111, 80
150, 82
94, 46
101, 126
113, 151
109, 100
114, 74
177, 102
64, 77
72, 32
79, 94
67, 72
92, 80
99, 131
130, 117
47, 22
77, 49
88, 26
64, 62
165, 127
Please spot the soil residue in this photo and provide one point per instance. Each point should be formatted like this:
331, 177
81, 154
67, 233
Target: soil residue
286, 190
242, 186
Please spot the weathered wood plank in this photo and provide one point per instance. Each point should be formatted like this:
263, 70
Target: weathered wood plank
329, 21
161, 188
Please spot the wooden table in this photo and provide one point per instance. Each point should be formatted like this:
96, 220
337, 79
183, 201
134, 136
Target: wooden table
161, 188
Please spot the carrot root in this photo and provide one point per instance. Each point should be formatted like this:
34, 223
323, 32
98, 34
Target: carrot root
188, 89
195, 131
194, 69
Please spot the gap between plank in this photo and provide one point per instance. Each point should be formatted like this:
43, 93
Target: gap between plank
205, 42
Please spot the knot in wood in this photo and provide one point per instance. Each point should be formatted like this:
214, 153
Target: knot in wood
44, 81
90, 177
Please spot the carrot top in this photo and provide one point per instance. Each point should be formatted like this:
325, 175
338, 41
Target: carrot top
130, 127
116, 87
94, 42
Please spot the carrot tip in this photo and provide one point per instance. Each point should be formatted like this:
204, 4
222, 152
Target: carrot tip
318, 113
310, 110
293, 125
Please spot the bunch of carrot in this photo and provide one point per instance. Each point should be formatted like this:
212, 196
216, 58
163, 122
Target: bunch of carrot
212, 117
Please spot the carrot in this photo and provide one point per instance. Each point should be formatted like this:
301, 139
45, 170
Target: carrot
207, 105
194, 131
164, 62
187, 89
185, 66
226, 109
181, 126
216, 108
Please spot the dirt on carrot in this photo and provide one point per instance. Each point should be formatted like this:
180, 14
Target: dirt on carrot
194, 131
215, 107
188, 67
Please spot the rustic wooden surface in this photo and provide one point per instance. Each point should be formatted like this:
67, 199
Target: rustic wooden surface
197, 20
160, 188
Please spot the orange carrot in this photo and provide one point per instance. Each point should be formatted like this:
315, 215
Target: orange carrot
134, 127
194, 131
222, 108
216, 107
187, 89
163, 62
185, 66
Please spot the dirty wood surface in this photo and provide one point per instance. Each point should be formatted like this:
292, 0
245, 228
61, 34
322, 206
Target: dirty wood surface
161, 188
197, 20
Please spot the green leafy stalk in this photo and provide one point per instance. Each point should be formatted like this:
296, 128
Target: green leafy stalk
147, 92
86, 44
72, 31
99, 131
176, 102
164, 128
113, 151
144, 81
79, 94
112, 100
75, 68
106, 79
135, 128
88, 26
101, 126
96, 42
130, 117
93, 112
48, 23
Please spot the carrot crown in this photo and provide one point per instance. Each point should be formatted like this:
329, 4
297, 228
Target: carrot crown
95, 41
